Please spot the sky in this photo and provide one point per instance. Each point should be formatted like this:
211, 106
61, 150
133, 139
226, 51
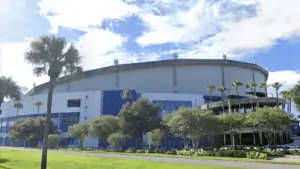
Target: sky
265, 31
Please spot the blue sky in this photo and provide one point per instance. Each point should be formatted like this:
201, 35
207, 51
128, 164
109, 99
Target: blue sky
143, 30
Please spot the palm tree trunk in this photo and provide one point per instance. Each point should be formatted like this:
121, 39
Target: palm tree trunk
240, 138
232, 140
251, 100
224, 139
237, 93
47, 126
290, 104
223, 103
1, 101
254, 138
210, 100
260, 137
277, 101
284, 103
38, 110
17, 112
266, 97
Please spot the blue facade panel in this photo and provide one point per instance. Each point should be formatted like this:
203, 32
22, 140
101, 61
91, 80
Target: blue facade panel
113, 102
169, 106
213, 98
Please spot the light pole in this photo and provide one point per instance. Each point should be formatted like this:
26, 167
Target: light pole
116, 63
175, 57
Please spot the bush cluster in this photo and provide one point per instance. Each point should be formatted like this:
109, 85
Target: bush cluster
246, 152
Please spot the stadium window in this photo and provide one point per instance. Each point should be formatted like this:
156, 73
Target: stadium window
74, 103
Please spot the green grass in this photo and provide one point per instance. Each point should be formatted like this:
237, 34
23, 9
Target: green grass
192, 157
16, 159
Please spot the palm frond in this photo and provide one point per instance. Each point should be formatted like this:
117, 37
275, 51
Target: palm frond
39, 71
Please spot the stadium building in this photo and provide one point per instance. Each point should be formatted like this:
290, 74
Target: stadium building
172, 83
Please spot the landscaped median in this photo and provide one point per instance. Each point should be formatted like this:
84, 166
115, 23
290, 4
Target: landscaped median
16, 159
245, 154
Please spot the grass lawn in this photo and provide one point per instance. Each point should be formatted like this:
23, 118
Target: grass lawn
194, 157
16, 159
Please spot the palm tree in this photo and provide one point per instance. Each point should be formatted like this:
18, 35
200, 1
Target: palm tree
210, 89
9, 89
126, 94
18, 105
290, 98
284, 94
277, 86
221, 90
51, 56
38, 104
251, 86
264, 86
237, 84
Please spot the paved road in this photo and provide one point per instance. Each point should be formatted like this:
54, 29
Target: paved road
248, 165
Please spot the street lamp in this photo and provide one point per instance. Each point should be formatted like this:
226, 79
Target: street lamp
116, 62
175, 56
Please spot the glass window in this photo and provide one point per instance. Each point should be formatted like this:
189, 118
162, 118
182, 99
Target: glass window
74, 103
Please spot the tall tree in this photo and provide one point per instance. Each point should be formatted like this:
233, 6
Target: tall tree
115, 140
252, 121
237, 84
155, 137
126, 94
79, 131
38, 104
139, 118
210, 89
295, 93
285, 96
252, 87
272, 120
277, 86
104, 126
52, 56
18, 105
30, 130
9, 89
233, 122
194, 124
221, 90
264, 86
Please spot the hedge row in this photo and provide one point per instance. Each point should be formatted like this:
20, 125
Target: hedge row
256, 153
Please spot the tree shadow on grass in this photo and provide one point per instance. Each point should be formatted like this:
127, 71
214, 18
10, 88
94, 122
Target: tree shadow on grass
4, 161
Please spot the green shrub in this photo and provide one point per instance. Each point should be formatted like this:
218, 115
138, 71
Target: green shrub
150, 151
171, 152
185, 152
204, 153
294, 151
140, 151
130, 151
159, 151
232, 153
89, 149
256, 155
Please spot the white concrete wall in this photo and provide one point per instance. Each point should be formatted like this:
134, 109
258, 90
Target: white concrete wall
190, 79
91, 99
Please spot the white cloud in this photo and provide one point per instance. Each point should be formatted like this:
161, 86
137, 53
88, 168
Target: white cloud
79, 14
288, 78
12, 64
96, 44
230, 28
